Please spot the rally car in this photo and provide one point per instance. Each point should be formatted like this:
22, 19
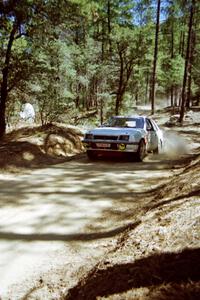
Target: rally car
132, 135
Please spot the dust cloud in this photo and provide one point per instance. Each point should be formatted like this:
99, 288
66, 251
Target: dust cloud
175, 145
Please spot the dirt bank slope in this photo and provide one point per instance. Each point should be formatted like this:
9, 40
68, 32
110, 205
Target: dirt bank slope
38, 146
160, 258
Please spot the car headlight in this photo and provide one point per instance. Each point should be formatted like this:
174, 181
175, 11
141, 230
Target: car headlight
124, 137
89, 136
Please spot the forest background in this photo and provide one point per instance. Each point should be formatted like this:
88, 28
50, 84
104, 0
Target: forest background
96, 58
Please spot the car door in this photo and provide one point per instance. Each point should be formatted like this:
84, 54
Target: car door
151, 135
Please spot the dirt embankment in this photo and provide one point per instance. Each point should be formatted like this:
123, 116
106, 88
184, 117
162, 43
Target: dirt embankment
160, 258
38, 146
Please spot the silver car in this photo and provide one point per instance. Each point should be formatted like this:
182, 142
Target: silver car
132, 135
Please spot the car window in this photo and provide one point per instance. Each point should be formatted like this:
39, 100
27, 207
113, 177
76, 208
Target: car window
127, 122
149, 125
155, 126
131, 124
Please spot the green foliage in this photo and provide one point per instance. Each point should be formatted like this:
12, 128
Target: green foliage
171, 71
80, 55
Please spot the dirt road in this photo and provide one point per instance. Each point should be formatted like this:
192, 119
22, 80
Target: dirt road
56, 222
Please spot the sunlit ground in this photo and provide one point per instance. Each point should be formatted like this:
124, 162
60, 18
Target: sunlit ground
42, 210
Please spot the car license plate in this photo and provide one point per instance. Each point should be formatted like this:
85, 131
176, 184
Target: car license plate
102, 145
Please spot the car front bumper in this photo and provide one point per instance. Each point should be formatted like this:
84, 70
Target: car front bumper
110, 146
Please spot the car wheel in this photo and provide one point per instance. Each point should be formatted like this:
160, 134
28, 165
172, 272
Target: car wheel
141, 153
158, 149
91, 155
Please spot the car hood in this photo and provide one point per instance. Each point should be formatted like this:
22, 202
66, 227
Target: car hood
116, 131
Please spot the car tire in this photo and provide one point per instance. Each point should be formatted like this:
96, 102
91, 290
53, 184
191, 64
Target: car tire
91, 155
158, 149
141, 152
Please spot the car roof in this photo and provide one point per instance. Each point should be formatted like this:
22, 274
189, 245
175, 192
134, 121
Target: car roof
130, 116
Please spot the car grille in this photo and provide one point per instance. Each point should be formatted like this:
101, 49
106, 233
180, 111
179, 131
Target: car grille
106, 137
112, 146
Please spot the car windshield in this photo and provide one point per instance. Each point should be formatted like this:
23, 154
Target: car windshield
126, 122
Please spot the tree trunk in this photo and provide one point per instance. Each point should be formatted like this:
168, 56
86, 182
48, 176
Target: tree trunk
183, 96
188, 94
101, 111
182, 44
102, 41
172, 96
109, 25
119, 91
136, 96
147, 88
172, 56
191, 59
118, 102
4, 84
126, 69
152, 94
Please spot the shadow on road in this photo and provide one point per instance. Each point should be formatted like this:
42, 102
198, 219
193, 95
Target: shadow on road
68, 237
79, 199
